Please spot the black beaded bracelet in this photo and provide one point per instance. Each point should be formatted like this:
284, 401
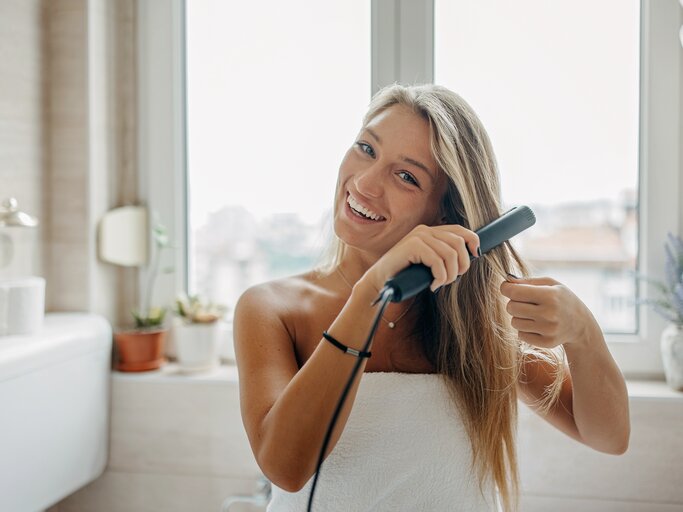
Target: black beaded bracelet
344, 348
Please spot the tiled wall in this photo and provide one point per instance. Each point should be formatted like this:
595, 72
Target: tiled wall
68, 139
176, 444
562, 475
22, 152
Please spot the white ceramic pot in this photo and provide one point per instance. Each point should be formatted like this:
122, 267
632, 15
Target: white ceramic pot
672, 355
197, 346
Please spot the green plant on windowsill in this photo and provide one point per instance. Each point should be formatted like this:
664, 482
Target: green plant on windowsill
197, 333
142, 348
669, 304
152, 317
194, 310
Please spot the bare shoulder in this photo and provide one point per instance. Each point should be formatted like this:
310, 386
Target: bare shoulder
281, 299
264, 334
272, 315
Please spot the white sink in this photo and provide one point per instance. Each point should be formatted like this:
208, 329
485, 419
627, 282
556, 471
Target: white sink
54, 410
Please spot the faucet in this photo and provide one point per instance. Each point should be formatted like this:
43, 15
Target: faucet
260, 498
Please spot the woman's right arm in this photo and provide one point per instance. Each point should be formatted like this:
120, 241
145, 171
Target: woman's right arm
286, 410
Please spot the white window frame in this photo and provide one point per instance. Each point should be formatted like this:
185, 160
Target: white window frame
402, 51
161, 135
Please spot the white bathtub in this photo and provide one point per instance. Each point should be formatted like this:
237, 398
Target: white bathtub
54, 410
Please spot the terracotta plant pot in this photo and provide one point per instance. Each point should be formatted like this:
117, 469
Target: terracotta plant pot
140, 350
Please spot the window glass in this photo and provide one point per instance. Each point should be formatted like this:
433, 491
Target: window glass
275, 95
556, 84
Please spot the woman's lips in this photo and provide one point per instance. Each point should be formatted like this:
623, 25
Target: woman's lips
358, 217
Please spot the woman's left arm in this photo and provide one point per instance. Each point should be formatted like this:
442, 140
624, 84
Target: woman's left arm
593, 403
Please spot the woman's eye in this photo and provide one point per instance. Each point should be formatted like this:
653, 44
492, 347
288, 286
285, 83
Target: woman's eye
366, 148
406, 176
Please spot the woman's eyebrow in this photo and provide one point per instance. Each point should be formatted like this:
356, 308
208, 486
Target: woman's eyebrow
406, 159
418, 164
374, 134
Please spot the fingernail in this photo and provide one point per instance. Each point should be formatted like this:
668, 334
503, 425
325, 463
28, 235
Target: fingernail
512, 275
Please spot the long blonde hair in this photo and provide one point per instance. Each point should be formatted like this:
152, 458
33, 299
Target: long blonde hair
465, 329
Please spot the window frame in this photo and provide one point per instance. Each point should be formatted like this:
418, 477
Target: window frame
403, 51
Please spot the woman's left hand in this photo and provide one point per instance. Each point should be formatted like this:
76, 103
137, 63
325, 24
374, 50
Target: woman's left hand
545, 312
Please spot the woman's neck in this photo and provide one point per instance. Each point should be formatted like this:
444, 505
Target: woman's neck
355, 263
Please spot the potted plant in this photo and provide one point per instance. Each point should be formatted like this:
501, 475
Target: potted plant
670, 306
142, 347
196, 333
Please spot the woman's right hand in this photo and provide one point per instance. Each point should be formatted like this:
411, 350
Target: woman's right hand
442, 248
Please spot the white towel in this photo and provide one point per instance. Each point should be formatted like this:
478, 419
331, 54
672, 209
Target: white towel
404, 447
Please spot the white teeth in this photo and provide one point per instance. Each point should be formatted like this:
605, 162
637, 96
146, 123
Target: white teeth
355, 205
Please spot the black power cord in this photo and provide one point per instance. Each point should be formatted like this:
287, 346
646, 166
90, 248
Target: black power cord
411, 281
384, 298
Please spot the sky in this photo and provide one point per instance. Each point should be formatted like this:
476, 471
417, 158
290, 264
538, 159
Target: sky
277, 90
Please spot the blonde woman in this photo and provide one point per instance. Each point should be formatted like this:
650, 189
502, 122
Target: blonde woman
429, 423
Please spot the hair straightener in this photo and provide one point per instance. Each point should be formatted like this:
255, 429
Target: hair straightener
417, 277
411, 281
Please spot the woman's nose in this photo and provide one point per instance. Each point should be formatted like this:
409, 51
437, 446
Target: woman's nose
370, 181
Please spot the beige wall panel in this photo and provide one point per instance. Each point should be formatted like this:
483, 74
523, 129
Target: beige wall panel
68, 271
651, 469
21, 103
195, 429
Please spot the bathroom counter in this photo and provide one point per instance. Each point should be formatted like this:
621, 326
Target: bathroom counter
54, 391
62, 337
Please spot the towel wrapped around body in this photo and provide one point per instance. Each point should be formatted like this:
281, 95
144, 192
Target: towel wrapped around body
404, 447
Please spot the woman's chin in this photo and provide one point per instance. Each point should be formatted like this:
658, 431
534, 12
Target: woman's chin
359, 241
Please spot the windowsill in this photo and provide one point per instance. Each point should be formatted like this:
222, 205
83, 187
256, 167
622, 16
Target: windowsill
652, 390
227, 373
172, 374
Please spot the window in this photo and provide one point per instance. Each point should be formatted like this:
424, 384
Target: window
563, 115
275, 95
396, 39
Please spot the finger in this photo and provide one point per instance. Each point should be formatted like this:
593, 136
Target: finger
523, 310
526, 325
449, 256
434, 261
471, 238
534, 339
457, 244
540, 281
529, 293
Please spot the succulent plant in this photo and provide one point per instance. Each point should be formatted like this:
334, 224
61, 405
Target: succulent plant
197, 311
153, 318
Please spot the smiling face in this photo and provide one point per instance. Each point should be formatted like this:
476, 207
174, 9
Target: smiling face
388, 182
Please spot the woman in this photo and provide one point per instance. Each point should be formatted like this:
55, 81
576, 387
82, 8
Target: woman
418, 181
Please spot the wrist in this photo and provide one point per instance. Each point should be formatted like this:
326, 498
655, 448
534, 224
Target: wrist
589, 340
365, 289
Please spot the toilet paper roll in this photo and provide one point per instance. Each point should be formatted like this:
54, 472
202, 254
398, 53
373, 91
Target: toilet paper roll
22, 305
